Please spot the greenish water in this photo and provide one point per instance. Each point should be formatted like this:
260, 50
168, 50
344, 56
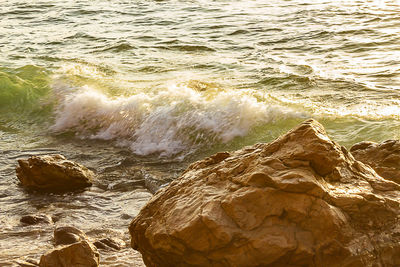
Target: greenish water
150, 86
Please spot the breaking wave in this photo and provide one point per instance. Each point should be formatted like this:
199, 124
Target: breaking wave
175, 121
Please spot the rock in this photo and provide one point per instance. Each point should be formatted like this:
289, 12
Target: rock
27, 263
36, 219
384, 158
65, 235
53, 173
109, 244
152, 184
301, 200
82, 254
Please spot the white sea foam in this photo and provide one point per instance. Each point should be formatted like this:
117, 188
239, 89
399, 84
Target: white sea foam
176, 120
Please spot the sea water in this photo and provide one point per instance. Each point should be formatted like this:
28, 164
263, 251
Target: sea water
137, 90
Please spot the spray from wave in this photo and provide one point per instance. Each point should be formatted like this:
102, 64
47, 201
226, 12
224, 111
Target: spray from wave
172, 121
175, 121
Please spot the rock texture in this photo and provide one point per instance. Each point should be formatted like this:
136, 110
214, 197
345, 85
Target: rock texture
109, 244
66, 235
384, 158
82, 254
27, 263
53, 173
301, 200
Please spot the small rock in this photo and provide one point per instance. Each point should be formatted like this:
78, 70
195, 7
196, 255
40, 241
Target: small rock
109, 243
82, 254
66, 235
27, 263
152, 184
36, 219
53, 173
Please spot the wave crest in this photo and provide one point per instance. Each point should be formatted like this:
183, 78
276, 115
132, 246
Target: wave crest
175, 121
21, 88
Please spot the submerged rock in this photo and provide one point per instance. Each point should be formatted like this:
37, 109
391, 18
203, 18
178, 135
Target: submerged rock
36, 219
384, 158
109, 244
82, 254
65, 235
53, 173
301, 200
27, 263
152, 184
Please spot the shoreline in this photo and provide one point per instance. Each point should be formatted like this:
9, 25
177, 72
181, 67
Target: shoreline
364, 151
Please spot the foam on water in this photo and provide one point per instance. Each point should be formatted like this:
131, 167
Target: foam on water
336, 61
176, 120
333, 106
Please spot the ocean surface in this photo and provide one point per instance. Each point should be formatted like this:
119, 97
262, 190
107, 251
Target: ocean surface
137, 90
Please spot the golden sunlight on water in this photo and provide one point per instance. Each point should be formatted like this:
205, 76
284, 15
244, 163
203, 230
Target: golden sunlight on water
139, 89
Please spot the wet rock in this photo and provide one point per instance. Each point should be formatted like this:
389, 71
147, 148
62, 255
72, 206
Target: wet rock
57, 216
109, 244
152, 184
36, 219
301, 200
27, 263
65, 235
53, 173
384, 158
82, 254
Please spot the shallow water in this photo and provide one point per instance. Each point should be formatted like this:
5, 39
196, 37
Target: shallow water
137, 90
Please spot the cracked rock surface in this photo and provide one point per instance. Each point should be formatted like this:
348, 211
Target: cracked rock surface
384, 158
301, 200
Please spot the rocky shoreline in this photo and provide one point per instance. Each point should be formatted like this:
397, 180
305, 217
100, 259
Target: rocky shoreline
301, 200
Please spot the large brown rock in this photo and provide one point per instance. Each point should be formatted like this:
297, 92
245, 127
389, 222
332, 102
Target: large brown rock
82, 254
53, 173
384, 158
301, 200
